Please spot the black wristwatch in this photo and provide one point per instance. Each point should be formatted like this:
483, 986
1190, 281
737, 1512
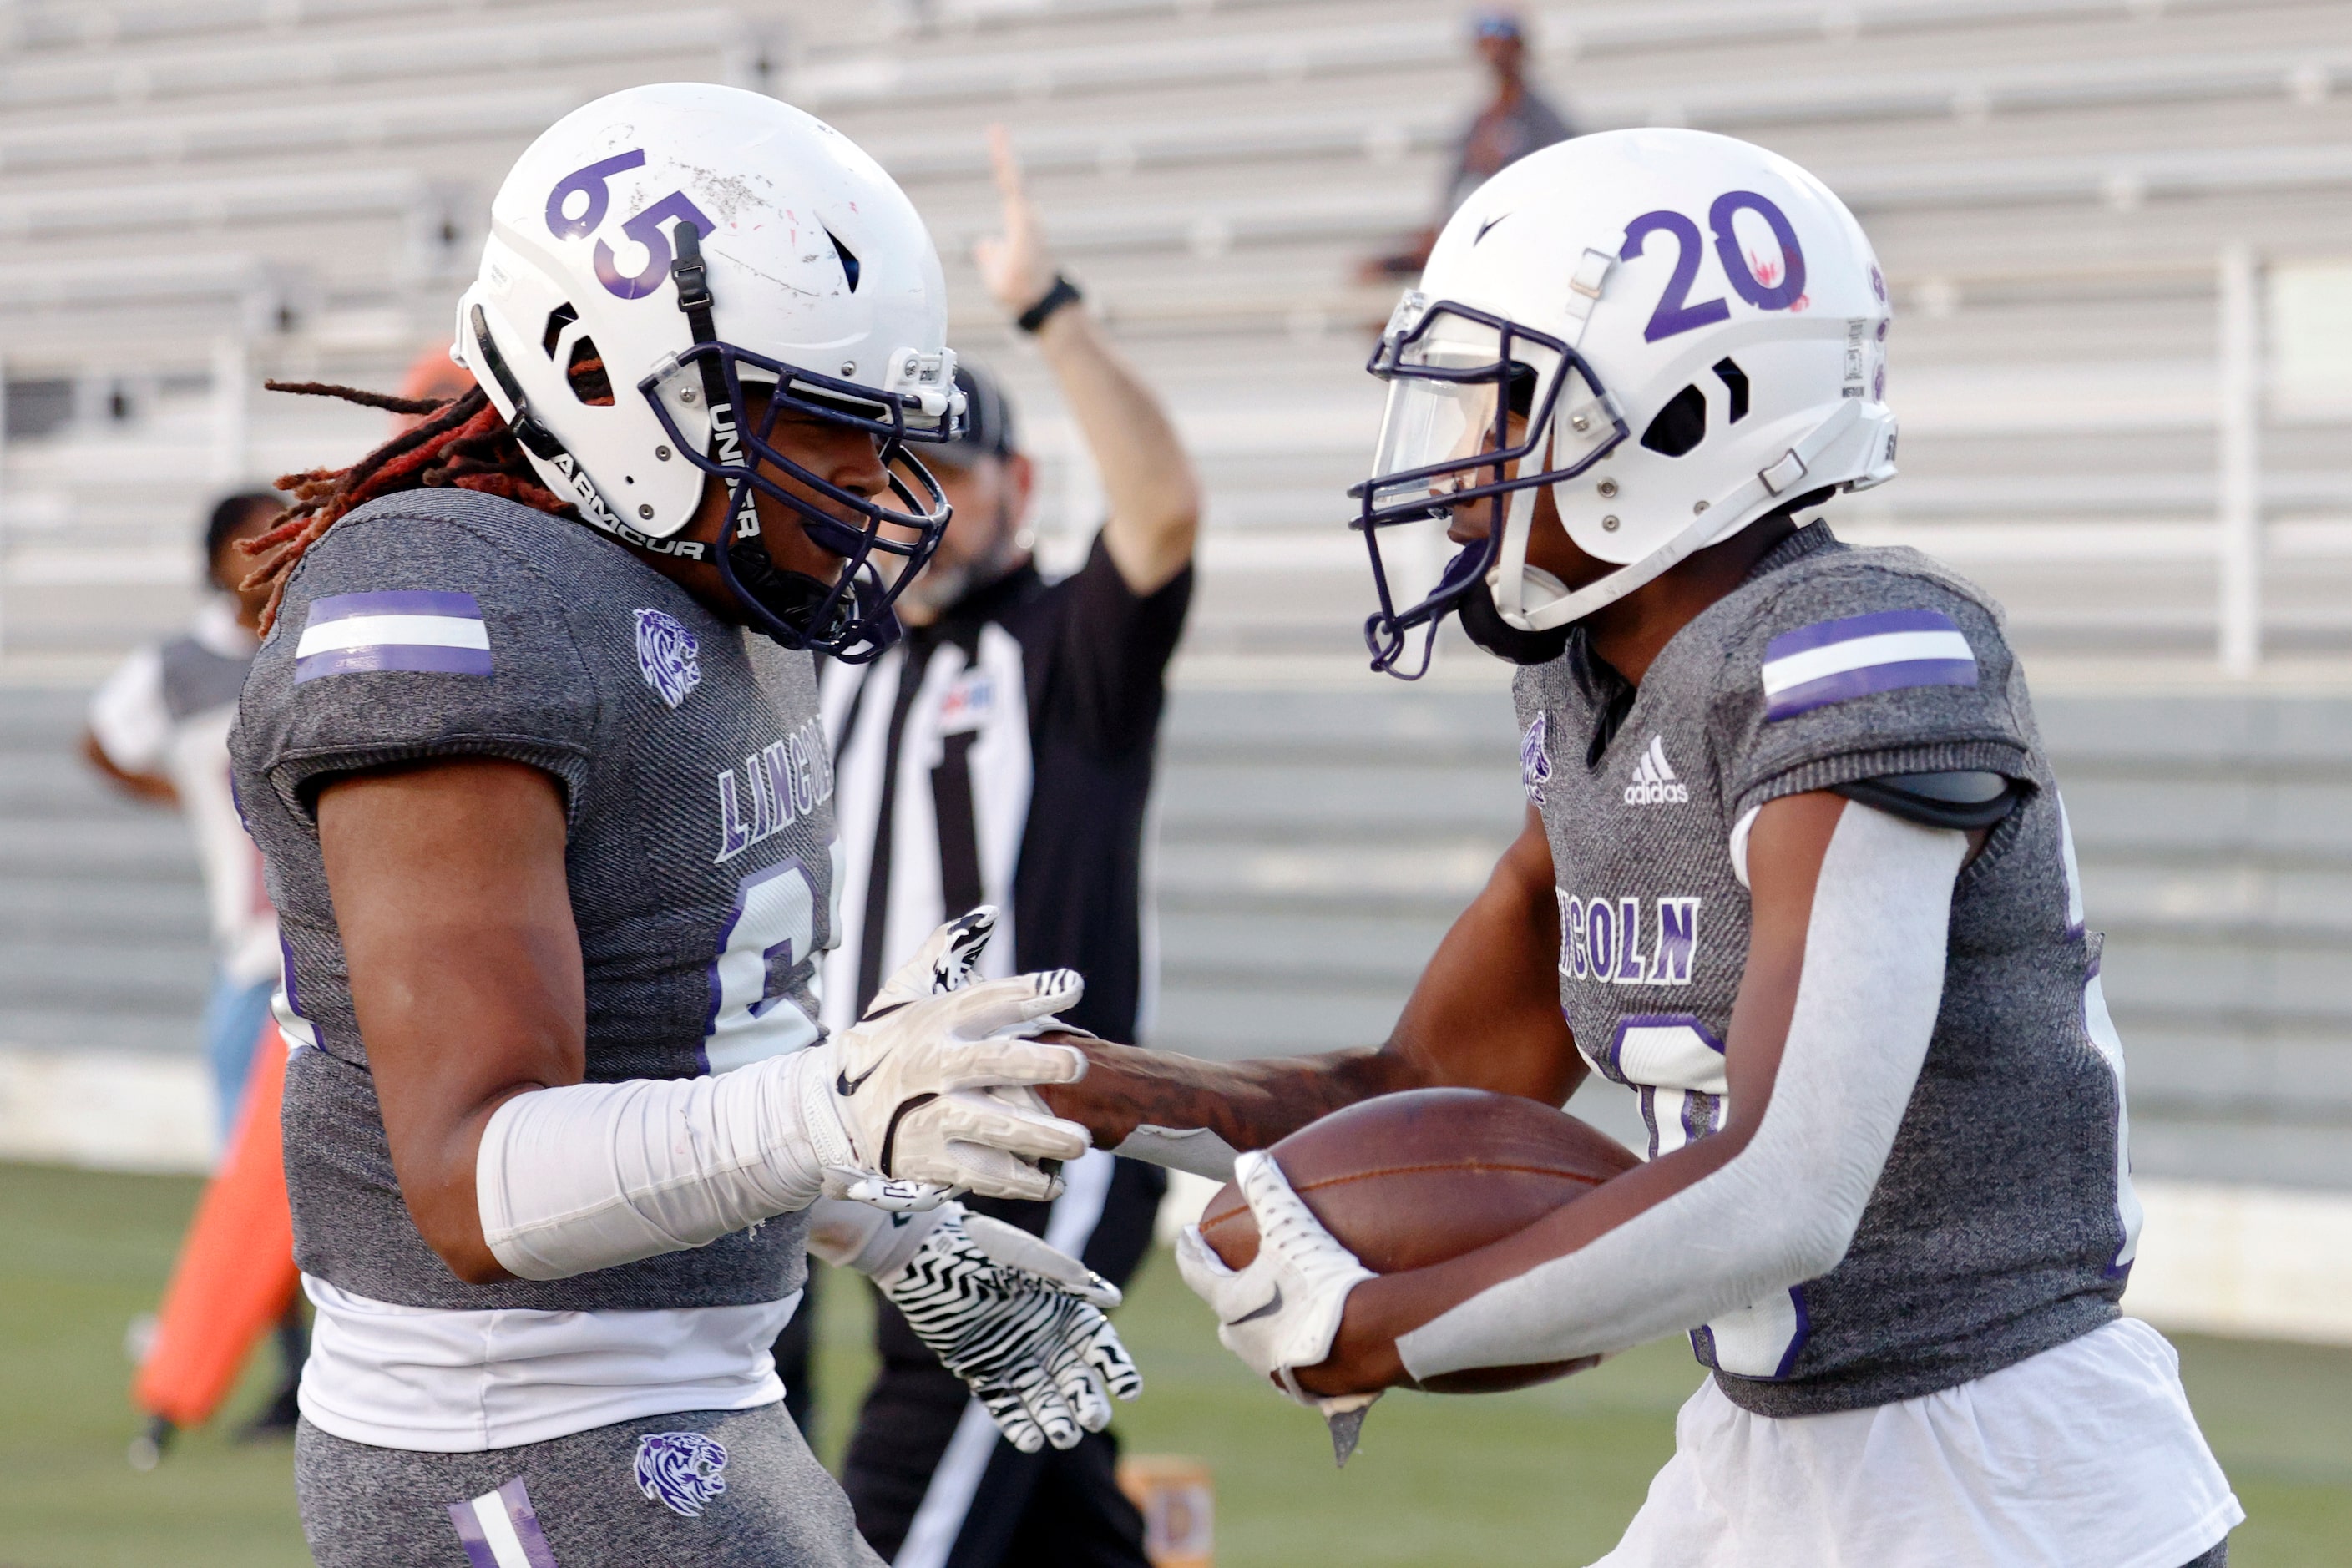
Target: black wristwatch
1063, 292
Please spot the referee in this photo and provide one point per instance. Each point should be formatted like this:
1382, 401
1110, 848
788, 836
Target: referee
1003, 754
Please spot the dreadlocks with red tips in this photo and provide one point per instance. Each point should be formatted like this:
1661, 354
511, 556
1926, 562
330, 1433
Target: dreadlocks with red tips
463, 442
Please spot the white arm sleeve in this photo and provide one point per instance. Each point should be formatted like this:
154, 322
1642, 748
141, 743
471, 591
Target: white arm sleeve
1193, 1149
1784, 1210
594, 1175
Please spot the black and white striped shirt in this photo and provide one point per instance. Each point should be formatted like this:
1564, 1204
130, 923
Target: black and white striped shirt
1004, 754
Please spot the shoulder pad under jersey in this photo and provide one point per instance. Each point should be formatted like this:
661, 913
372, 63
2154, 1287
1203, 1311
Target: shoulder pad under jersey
1963, 800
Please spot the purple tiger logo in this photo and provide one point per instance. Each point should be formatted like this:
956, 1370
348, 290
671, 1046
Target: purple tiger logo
680, 1470
667, 656
1535, 762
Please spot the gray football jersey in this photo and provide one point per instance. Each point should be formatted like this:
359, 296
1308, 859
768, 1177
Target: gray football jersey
198, 679
698, 797
2004, 1222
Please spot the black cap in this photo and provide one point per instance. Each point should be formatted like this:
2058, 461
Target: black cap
987, 422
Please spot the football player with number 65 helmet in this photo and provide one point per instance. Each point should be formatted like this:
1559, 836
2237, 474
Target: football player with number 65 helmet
534, 756
1794, 871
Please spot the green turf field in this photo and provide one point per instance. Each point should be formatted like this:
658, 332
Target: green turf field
1544, 1477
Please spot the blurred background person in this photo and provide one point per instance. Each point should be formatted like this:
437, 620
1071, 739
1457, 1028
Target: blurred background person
2120, 255
159, 728
431, 374
1004, 754
1516, 121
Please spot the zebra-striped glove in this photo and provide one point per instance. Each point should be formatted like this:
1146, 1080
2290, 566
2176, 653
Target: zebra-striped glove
1021, 1322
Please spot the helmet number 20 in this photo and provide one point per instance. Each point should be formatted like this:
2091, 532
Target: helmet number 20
595, 197
1766, 285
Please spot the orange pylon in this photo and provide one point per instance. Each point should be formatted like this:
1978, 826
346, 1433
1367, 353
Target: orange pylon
236, 1275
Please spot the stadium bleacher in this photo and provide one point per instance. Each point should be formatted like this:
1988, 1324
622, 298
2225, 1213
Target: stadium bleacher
2050, 186
196, 192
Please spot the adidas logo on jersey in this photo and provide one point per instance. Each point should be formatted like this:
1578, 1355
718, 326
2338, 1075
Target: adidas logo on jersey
1655, 783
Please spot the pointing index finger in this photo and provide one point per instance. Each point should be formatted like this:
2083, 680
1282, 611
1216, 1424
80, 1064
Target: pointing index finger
1007, 165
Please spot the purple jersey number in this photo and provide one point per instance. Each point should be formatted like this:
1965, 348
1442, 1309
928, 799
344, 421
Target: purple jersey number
1754, 281
644, 229
589, 183
1672, 316
1766, 285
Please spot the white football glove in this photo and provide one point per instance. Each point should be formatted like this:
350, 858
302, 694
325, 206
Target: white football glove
1282, 1313
1021, 1322
927, 1094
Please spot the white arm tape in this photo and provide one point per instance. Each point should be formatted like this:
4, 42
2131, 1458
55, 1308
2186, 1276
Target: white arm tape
592, 1174
875, 1242
1784, 1210
1193, 1149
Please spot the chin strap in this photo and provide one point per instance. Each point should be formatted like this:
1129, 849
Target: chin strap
1715, 520
742, 561
693, 281
1509, 577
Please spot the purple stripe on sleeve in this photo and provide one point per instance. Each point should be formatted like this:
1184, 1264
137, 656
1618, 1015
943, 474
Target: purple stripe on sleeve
1824, 633
1847, 684
285, 972
469, 1533
405, 602
423, 658
535, 1550
1796, 1340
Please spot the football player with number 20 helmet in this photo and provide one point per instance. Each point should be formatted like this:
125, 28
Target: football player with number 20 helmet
1795, 871
534, 756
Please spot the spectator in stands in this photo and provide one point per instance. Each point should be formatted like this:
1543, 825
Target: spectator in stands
159, 728
1004, 754
1516, 121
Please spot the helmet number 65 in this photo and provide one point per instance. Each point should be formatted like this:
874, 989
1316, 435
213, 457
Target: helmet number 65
1766, 285
589, 184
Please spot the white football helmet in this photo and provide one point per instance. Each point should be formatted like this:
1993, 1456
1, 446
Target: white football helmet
1677, 332
699, 240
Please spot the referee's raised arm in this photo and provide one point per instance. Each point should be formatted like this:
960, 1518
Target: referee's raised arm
1001, 753
1155, 500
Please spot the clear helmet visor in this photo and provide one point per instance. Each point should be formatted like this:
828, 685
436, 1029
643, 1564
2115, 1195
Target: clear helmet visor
1481, 411
1444, 385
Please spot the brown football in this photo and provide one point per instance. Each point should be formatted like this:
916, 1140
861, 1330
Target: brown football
1408, 1180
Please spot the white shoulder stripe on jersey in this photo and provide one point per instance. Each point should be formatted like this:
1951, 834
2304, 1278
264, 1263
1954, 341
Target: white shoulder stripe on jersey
393, 631
1864, 653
